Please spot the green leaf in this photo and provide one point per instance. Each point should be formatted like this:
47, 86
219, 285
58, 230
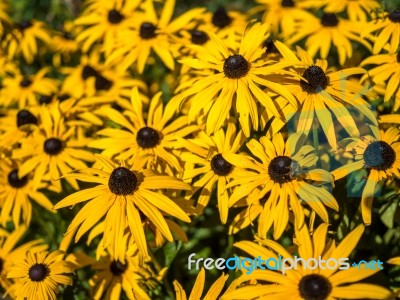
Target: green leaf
388, 211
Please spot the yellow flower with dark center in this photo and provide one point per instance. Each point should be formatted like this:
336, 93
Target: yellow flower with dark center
286, 172
380, 155
387, 71
214, 292
385, 29
303, 283
153, 135
9, 253
326, 31
205, 157
322, 93
105, 20
16, 194
52, 150
233, 76
38, 275
25, 90
24, 39
121, 194
150, 33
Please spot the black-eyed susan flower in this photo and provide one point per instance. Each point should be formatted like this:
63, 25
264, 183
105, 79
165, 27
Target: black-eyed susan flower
387, 71
356, 10
52, 150
38, 275
150, 33
104, 21
379, 154
26, 39
121, 194
286, 172
214, 292
9, 253
326, 31
16, 195
205, 157
317, 282
326, 95
25, 90
153, 135
233, 76
385, 29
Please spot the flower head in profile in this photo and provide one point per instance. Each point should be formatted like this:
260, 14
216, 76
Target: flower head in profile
233, 77
122, 193
379, 154
304, 283
286, 175
38, 275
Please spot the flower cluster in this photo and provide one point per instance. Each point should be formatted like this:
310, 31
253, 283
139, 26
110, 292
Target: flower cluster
137, 131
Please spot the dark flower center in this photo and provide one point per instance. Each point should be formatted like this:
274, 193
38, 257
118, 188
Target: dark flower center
220, 18
329, 20
122, 181
147, 137
45, 99
287, 3
114, 16
38, 272
63, 97
270, 46
317, 80
88, 71
25, 117
53, 146
15, 181
199, 37
1, 265
314, 287
25, 82
236, 66
220, 166
24, 25
398, 57
379, 155
118, 268
279, 169
147, 31
394, 16
68, 35
102, 83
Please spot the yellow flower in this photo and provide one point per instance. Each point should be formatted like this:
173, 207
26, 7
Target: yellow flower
320, 283
24, 39
205, 157
150, 33
52, 150
325, 93
286, 172
25, 90
9, 253
38, 275
154, 136
327, 31
122, 192
380, 156
226, 73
